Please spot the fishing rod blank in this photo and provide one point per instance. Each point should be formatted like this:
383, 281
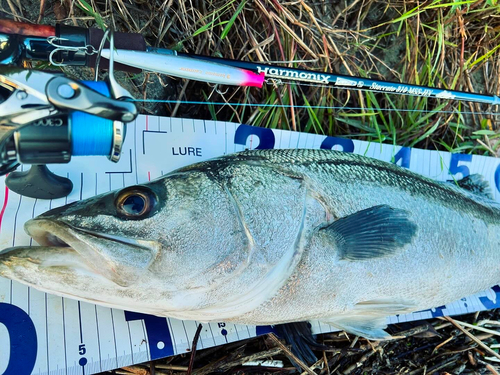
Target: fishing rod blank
348, 82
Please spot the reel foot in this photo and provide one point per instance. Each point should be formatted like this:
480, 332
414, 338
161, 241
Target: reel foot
39, 182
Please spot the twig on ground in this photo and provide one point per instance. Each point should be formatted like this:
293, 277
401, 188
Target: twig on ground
193, 349
474, 338
290, 355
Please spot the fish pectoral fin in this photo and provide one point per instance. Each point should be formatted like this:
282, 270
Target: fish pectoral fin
369, 328
475, 183
371, 233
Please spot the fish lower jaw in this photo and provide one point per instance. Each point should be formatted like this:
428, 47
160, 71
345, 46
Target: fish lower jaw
43, 258
61, 238
73, 261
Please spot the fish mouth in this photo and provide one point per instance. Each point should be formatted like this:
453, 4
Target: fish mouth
57, 234
118, 259
78, 264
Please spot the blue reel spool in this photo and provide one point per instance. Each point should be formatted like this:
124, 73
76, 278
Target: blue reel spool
91, 135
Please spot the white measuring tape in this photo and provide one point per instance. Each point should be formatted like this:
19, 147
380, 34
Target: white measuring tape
45, 334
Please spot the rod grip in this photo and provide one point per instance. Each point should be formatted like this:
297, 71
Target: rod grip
77, 37
24, 28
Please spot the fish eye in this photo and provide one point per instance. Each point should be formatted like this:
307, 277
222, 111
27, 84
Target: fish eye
135, 203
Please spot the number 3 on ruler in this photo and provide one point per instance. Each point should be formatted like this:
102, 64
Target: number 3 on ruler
23, 341
265, 135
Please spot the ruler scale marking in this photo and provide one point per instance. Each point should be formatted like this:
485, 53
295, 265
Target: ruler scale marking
55, 319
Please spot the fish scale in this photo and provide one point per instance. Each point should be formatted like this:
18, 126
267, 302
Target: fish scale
346, 166
274, 236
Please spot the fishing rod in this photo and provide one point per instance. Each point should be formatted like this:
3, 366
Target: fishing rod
137, 55
44, 116
325, 79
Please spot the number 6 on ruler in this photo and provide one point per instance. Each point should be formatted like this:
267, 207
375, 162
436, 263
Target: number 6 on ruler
23, 340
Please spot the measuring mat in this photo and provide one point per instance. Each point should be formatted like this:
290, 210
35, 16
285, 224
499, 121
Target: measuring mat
46, 334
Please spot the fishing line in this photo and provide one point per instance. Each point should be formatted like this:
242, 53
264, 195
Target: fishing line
95, 142
306, 106
281, 82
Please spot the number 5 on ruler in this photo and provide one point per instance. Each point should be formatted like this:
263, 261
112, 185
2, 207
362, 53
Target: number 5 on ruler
82, 350
463, 169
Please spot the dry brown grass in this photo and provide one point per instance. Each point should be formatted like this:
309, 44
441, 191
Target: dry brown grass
439, 347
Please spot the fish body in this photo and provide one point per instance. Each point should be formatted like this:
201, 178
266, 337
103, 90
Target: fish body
268, 237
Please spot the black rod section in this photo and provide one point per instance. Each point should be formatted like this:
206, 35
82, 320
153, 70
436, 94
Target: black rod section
342, 81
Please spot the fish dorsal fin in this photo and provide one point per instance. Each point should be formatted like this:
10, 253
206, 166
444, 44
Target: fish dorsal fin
475, 183
372, 233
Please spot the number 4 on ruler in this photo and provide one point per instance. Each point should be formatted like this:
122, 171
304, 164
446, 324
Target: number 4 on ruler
160, 342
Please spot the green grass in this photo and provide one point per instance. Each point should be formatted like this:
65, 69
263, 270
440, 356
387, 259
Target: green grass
451, 44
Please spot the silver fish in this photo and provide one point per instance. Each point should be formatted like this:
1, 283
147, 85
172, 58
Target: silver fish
271, 236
